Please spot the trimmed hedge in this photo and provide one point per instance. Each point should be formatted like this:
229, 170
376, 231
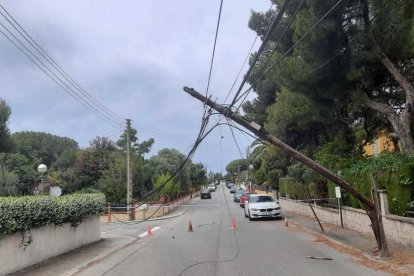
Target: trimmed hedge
20, 214
392, 171
292, 187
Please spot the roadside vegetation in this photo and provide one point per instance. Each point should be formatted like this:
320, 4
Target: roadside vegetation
100, 167
339, 89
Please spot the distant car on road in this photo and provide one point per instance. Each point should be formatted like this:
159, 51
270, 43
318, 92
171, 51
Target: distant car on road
205, 193
244, 197
261, 206
233, 189
212, 187
229, 184
237, 195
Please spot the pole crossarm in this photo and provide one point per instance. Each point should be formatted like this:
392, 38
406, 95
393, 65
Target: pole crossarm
263, 134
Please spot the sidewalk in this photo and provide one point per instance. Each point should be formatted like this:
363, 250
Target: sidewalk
73, 261
360, 246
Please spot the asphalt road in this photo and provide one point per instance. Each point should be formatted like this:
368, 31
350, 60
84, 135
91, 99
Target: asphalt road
254, 248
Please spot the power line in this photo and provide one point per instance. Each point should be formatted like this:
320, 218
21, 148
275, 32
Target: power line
235, 141
262, 47
214, 47
54, 77
274, 48
310, 30
89, 102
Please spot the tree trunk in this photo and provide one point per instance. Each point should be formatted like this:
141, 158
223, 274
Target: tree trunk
400, 124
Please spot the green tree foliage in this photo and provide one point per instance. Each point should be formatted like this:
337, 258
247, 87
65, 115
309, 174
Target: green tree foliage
238, 165
43, 147
167, 161
297, 120
198, 175
165, 181
349, 79
113, 180
5, 141
138, 148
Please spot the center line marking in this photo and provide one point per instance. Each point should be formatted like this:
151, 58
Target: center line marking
146, 232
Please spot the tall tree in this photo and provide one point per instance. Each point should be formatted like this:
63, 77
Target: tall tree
5, 141
137, 148
384, 68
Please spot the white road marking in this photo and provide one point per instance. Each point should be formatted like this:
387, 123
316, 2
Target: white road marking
146, 232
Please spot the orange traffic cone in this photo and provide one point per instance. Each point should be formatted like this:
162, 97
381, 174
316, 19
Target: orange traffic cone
233, 225
149, 231
286, 222
190, 227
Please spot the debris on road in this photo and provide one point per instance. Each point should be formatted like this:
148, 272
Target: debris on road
319, 258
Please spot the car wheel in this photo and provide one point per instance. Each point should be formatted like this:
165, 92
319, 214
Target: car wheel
250, 217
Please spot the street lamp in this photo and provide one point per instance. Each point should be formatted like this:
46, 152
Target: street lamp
42, 169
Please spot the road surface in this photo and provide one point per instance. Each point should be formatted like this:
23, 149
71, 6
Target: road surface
254, 248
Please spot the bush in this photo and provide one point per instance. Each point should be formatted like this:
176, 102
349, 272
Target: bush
295, 189
20, 214
391, 171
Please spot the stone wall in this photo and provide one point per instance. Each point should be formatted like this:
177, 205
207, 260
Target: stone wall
398, 229
48, 241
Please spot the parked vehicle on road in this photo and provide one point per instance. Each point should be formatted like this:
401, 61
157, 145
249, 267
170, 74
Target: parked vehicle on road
233, 189
212, 187
261, 206
229, 184
205, 193
244, 197
237, 195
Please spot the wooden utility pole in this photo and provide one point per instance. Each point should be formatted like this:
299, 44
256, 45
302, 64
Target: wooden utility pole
264, 135
129, 172
377, 223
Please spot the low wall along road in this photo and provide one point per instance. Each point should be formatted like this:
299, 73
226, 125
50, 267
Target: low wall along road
398, 229
48, 241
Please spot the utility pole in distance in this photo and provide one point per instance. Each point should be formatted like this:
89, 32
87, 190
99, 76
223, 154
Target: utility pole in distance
129, 172
257, 129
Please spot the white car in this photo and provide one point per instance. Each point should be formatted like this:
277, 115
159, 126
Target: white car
212, 187
261, 206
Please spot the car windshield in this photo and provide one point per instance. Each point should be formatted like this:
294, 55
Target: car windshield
256, 199
239, 192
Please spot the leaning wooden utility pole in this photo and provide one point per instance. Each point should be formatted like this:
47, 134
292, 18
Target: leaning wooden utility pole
129, 172
264, 135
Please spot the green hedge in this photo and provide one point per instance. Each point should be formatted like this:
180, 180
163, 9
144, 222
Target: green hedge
292, 187
20, 214
392, 171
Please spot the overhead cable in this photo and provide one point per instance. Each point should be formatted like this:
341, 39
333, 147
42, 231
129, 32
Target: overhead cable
58, 75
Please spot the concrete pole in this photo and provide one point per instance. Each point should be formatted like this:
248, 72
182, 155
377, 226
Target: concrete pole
129, 173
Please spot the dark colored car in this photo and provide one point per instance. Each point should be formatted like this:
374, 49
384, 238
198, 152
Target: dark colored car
244, 197
237, 195
229, 184
205, 194
233, 189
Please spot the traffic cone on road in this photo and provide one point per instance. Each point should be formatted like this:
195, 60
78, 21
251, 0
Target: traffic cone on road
190, 227
286, 222
149, 231
233, 225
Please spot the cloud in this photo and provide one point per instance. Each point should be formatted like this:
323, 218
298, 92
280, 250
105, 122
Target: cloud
134, 57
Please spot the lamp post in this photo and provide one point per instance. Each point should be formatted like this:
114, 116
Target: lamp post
42, 169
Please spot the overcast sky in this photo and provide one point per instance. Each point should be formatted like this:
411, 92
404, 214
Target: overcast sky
134, 57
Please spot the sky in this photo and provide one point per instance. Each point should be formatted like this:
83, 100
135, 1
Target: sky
133, 57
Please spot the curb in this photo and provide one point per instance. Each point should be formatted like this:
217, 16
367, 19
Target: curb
151, 219
111, 251
98, 258
306, 229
